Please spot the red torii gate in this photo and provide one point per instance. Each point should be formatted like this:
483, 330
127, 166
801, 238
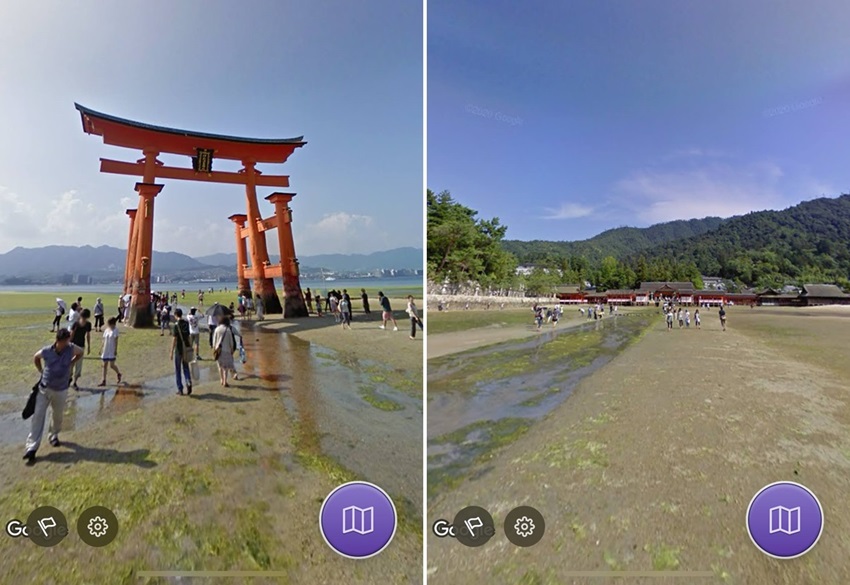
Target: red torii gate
204, 148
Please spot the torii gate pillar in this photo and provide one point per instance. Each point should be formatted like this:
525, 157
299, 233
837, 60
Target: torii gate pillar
239, 220
263, 283
294, 305
140, 307
131, 251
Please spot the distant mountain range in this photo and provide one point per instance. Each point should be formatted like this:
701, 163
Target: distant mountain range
809, 242
619, 242
410, 258
59, 260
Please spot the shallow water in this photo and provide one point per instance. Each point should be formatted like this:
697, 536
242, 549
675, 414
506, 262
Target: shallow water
483, 398
318, 389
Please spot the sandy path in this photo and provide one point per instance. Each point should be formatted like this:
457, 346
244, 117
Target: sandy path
448, 343
653, 461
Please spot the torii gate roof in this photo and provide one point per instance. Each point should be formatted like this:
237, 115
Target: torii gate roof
140, 136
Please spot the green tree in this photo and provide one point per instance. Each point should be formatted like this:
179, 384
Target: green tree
462, 248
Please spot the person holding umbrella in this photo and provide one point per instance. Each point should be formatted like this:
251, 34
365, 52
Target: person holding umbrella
57, 314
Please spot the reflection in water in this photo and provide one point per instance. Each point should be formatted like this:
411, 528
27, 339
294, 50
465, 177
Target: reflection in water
325, 397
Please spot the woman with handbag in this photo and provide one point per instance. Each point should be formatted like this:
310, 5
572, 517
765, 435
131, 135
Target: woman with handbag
224, 344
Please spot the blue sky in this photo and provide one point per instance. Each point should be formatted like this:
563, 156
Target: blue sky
567, 118
346, 75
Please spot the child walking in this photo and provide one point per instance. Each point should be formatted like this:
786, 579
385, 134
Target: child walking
109, 349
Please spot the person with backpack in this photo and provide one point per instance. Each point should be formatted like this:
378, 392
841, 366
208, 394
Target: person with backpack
181, 350
81, 337
722, 315
387, 312
98, 315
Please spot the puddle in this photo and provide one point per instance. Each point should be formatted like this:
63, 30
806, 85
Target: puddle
367, 426
344, 408
482, 399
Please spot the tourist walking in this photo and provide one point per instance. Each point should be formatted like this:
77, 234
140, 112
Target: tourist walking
109, 349
669, 319
212, 323
387, 311
81, 337
347, 297
181, 350
54, 363
696, 319
318, 304
98, 315
57, 315
164, 318
364, 298
681, 317
687, 319
334, 303
122, 306
194, 332
345, 312
722, 315
414, 317
201, 299
224, 345
308, 298
261, 308
74, 315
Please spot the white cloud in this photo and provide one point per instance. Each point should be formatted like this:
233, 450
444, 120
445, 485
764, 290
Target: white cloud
568, 211
343, 233
715, 190
71, 220
693, 153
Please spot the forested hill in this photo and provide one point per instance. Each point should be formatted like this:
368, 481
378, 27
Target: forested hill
618, 242
809, 242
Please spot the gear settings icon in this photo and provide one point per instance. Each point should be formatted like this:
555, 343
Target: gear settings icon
524, 526
98, 527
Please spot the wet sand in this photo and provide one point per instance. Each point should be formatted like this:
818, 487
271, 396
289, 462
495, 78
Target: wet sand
231, 478
652, 461
495, 327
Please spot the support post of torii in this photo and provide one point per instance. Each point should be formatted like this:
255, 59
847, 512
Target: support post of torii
293, 303
131, 250
140, 307
263, 284
239, 220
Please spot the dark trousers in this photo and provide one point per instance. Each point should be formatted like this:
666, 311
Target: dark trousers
98, 321
56, 322
414, 321
178, 365
212, 330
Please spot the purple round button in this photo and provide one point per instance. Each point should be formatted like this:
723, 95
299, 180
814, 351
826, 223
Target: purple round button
358, 520
785, 520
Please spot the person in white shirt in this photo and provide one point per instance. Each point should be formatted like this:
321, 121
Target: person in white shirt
212, 323
414, 317
194, 331
74, 315
109, 350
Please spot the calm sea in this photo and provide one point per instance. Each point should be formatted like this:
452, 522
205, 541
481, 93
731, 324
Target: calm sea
372, 285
